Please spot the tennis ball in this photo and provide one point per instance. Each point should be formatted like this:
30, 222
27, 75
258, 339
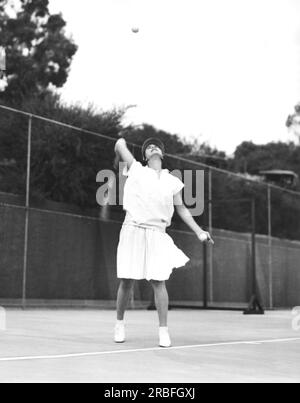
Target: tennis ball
135, 30
203, 237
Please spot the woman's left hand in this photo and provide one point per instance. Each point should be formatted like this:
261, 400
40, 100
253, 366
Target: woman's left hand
205, 237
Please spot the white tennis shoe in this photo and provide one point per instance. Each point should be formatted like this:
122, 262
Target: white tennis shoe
120, 335
164, 337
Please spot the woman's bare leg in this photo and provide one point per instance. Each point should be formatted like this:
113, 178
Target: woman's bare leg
124, 294
161, 301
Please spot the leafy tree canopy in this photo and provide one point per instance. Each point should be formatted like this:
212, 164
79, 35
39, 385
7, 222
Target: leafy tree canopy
39, 53
253, 158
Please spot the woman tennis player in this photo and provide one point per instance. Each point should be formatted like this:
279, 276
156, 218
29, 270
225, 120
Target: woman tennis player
145, 251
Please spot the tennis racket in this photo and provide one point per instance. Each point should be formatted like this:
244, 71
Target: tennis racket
110, 193
2, 62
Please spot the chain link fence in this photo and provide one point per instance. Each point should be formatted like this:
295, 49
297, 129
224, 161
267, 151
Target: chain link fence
60, 252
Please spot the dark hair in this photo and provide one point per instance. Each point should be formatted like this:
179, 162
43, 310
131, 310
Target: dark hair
154, 141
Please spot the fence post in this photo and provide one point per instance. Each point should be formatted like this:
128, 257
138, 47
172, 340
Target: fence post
254, 266
210, 225
205, 283
255, 307
270, 246
25, 260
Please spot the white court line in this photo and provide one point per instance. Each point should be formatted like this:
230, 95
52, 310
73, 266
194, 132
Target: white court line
141, 350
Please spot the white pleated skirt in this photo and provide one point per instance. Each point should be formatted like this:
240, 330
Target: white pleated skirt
147, 254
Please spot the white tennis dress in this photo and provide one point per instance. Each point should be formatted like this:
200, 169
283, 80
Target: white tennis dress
145, 250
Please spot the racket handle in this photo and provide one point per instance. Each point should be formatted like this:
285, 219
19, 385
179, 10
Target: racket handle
116, 162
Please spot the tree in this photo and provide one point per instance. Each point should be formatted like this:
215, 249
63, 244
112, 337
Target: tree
38, 52
293, 122
253, 158
204, 153
64, 162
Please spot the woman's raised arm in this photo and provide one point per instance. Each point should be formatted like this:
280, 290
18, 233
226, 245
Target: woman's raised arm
123, 153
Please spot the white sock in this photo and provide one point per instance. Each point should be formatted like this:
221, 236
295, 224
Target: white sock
120, 322
164, 329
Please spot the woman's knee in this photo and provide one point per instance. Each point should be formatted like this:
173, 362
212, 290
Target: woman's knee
158, 285
127, 284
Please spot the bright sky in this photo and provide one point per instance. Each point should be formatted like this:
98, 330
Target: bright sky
223, 71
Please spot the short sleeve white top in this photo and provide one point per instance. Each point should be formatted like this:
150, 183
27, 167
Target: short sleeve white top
148, 197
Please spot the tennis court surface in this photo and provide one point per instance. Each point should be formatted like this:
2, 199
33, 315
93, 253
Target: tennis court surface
209, 346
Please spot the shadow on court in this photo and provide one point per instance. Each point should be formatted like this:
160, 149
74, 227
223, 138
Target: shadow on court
76, 346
